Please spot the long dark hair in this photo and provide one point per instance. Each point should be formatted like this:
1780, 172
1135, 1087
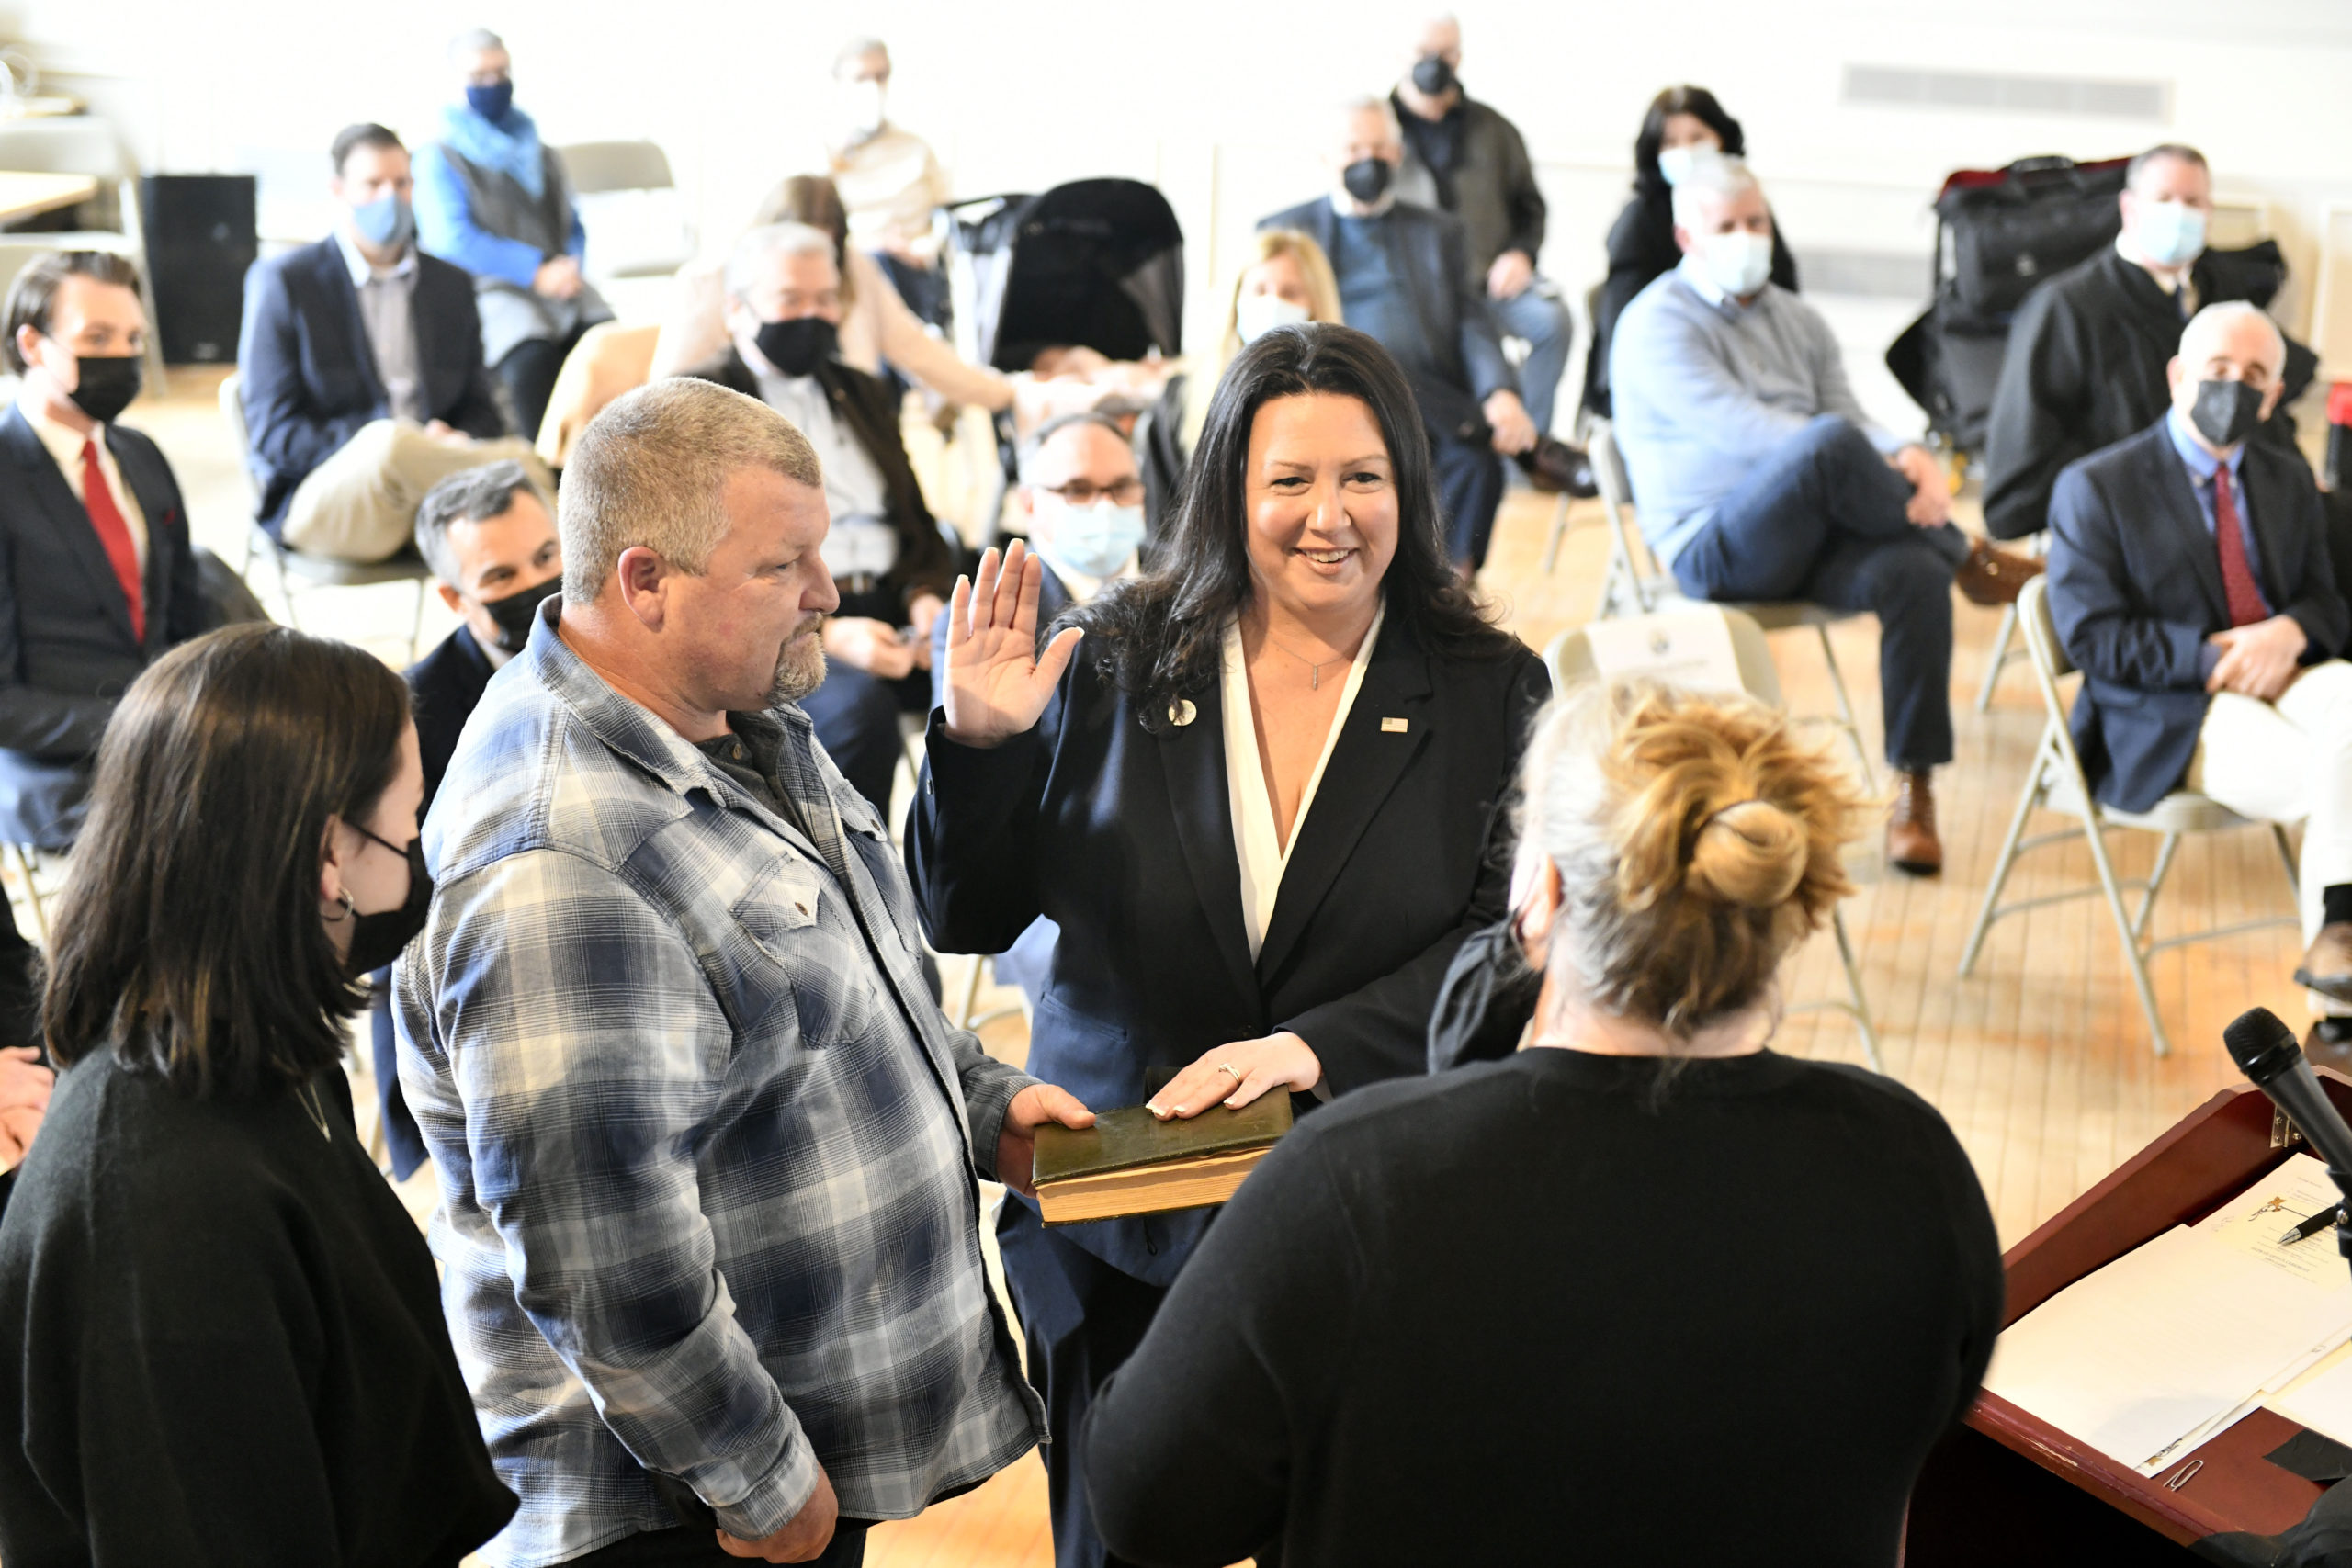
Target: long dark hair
1163, 634
188, 935
1685, 99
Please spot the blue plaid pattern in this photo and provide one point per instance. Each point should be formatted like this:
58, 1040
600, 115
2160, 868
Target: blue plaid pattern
707, 1147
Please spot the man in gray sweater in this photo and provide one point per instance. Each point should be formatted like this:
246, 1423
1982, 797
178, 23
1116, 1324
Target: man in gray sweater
1758, 477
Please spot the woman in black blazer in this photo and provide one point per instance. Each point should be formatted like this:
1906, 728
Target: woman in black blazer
1305, 608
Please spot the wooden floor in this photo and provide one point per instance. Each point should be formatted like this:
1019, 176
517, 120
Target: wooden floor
2041, 1061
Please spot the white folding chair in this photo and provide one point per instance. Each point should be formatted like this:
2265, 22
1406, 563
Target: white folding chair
1569, 661
1634, 585
2006, 650
630, 207
2054, 782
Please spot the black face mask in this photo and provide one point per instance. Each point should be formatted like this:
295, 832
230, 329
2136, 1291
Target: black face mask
1432, 75
107, 386
378, 938
2225, 411
515, 612
1367, 179
797, 346
1484, 1001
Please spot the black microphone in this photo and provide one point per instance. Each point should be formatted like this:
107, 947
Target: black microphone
2266, 1052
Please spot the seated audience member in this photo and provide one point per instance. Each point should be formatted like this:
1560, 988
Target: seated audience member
2087, 355
492, 198
97, 573
889, 180
495, 558
2189, 580
1404, 276
762, 1310
227, 1338
1463, 157
1682, 123
1759, 477
360, 369
885, 553
1842, 1306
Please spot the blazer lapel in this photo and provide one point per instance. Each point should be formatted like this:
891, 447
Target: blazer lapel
2187, 517
2264, 516
1193, 755
1366, 762
69, 517
335, 275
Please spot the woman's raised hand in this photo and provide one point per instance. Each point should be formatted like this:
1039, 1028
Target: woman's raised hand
996, 682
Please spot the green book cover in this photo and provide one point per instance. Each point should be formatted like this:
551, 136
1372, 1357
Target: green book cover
1123, 1140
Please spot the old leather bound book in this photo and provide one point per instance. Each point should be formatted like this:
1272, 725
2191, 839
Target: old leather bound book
1130, 1162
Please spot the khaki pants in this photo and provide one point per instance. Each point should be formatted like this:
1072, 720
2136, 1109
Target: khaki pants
360, 504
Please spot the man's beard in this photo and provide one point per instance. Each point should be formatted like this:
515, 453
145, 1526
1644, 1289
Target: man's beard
800, 664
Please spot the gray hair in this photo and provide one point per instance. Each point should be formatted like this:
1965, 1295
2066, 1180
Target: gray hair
858, 49
2161, 150
1033, 450
2214, 319
476, 495
1711, 181
748, 262
652, 469
1376, 103
473, 41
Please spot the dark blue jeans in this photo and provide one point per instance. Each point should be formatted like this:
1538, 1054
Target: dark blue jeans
1469, 479
1821, 520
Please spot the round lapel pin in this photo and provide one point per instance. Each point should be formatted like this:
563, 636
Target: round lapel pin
1181, 712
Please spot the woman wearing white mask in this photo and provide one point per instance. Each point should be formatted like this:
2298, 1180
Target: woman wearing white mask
1682, 124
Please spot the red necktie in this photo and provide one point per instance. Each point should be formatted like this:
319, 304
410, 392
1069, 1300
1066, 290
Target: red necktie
115, 535
2237, 574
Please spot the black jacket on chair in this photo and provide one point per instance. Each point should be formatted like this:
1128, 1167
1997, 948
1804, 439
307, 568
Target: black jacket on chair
307, 375
66, 648
2135, 589
1124, 835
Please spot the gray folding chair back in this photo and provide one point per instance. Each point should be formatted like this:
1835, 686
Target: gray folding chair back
84, 144
630, 207
2055, 783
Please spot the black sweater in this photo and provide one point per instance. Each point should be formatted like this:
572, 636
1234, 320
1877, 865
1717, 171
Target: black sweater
1525, 1312
226, 1344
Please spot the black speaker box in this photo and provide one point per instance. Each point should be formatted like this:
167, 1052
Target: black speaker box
201, 239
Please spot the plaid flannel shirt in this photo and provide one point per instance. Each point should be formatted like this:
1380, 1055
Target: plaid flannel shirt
706, 1150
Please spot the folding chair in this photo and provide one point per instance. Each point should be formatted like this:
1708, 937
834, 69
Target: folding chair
1633, 585
1568, 660
2054, 782
85, 144
2006, 650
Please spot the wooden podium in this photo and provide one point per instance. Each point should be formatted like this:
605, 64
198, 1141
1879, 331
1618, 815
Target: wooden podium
2007, 1488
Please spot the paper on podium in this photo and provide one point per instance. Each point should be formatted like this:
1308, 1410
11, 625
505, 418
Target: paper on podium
2172, 1343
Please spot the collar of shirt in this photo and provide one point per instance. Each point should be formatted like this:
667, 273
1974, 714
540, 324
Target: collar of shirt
1082, 587
64, 444
2200, 462
361, 268
1347, 206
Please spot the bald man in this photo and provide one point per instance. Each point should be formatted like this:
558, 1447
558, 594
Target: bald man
2189, 581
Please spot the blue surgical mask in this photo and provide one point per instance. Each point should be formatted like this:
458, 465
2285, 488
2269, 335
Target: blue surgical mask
1255, 315
1675, 163
1097, 540
387, 221
491, 102
2169, 233
1738, 262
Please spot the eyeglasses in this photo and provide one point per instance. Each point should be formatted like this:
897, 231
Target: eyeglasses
1085, 492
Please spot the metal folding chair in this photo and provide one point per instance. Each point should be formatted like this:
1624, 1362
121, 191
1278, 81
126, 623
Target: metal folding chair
2006, 650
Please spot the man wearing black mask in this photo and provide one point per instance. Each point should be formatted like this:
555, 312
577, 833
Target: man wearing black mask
1404, 276
2189, 581
887, 557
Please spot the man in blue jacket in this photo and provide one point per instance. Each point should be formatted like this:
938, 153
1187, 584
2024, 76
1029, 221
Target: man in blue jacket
2190, 583
360, 369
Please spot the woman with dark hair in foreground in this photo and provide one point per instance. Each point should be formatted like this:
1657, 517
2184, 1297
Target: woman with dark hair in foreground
226, 1332
1259, 797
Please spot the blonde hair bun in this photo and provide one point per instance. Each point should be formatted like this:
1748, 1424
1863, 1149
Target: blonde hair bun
1751, 853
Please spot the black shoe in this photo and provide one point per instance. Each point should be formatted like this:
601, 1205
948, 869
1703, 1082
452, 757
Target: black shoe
1552, 465
2327, 967
2329, 1043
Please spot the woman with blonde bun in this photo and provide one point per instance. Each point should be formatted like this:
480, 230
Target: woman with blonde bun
1515, 1311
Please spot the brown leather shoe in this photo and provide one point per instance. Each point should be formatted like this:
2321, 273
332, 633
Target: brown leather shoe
2327, 967
1995, 577
1911, 842
1552, 465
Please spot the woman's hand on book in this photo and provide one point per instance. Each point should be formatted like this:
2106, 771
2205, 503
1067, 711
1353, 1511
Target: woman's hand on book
1234, 1074
1016, 1145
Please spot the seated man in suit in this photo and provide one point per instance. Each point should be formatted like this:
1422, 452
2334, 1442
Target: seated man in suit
2189, 581
492, 543
360, 369
887, 556
1404, 276
2086, 365
96, 574
1759, 477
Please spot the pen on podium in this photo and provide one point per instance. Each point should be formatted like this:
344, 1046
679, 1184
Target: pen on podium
2311, 1225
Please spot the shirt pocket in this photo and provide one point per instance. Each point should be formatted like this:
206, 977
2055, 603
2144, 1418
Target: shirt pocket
772, 938
869, 841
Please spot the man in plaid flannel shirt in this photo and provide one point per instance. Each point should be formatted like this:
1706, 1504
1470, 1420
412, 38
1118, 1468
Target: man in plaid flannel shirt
707, 1148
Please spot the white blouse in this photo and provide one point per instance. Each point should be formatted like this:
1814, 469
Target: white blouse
1255, 844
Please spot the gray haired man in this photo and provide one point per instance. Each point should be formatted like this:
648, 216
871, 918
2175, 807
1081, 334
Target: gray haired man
708, 1149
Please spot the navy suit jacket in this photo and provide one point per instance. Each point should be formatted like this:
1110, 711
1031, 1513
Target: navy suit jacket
1124, 837
2135, 589
308, 377
1434, 254
66, 646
